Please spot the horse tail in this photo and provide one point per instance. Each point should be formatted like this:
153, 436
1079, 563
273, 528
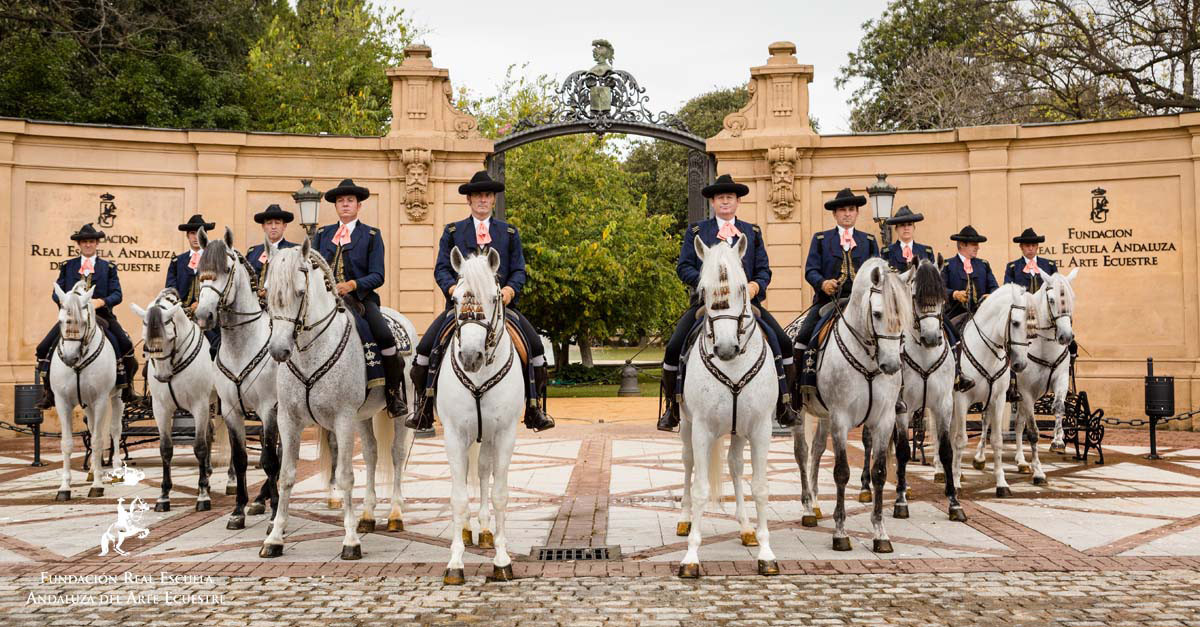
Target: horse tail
325, 456
385, 431
716, 461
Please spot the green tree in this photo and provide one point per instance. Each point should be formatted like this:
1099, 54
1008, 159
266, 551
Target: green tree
321, 69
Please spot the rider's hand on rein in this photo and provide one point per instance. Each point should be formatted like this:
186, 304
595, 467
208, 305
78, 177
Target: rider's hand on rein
507, 293
829, 286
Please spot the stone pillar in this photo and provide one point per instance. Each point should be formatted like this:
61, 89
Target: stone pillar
1190, 397
433, 148
216, 181
768, 145
987, 164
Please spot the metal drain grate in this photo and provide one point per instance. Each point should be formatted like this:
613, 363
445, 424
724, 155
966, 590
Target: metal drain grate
576, 554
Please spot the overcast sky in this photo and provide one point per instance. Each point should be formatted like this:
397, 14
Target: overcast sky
675, 49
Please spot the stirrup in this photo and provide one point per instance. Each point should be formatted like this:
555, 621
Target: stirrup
963, 384
536, 420
785, 414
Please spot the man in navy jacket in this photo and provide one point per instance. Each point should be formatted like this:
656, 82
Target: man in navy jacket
1024, 271
273, 221
181, 274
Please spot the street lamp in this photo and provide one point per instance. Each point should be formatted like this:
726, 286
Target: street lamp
882, 195
309, 201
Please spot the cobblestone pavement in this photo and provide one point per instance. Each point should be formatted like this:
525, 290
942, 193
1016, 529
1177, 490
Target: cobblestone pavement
962, 599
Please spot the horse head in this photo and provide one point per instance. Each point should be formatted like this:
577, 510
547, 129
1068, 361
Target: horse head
1055, 305
76, 321
478, 308
723, 287
217, 273
880, 308
1020, 320
928, 297
299, 286
159, 322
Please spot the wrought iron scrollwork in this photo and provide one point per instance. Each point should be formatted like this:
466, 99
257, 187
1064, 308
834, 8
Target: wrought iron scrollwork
601, 101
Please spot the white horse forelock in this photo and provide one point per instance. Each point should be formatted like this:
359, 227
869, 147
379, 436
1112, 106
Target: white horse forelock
476, 273
721, 256
897, 302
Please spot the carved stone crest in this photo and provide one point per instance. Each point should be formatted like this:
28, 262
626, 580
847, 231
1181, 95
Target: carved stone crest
416, 182
783, 179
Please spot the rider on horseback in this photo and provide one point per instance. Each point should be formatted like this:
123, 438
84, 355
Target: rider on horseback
354, 252
102, 275
1024, 271
833, 258
181, 274
968, 282
273, 221
724, 196
480, 231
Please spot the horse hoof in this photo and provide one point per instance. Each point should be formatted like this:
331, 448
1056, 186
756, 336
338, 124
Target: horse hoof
882, 546
270, 550
352, 552
841, 544
939, 477
395, 524
63, 495
230, 490
689, 571
366, 525
768, 567
203, 506
864, 496
977, 464
90, 477
454, 577
95, 492
1024, 469
486, 540
333, 504
808, 520
683, 528
162, 506
501, 573
235, 523
466, 537
256, 509
900, 511
1003, 492
958, 515
749, 538
1040, 481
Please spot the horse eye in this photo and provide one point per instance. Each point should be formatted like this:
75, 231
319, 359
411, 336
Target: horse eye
1016, 324
878, 316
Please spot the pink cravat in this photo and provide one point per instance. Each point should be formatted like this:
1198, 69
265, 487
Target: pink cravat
848, 240
342, 237
86, 268
967, 265
1031, 266
728, 232
481, 234
263, 257
907, 252
194, 261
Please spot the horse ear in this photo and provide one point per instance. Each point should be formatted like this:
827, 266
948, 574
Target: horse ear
88, 294
456, 259
59, 293
700, 247
1072, 275
493, 259
742, 244
267, 246
202, 236
138, 311
876, 276
909, 275
229, 237
170, 313
305, 248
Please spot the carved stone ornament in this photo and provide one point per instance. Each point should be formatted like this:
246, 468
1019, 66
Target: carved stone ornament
465, 125
737, 121
416, 182
783, 179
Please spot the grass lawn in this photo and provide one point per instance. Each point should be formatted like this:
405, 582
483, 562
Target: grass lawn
619, 353
649, 389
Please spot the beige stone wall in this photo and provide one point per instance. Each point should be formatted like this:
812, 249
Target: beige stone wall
999, 179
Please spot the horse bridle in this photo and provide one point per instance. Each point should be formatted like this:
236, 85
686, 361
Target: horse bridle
745, 313
871, 346
468, 311
224, 307
297, 321
85, 360
1054, 318
195, 341
1002, 352
918, 317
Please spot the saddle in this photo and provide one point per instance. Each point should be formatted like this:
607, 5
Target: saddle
518, 340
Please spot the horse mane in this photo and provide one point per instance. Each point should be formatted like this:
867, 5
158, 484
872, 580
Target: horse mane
213, 260
1056, 280
721, 269
897, 311
286, 263
929, 288
74, 305
155, 328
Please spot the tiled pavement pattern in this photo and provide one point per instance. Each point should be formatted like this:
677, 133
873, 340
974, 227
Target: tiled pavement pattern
1107, 544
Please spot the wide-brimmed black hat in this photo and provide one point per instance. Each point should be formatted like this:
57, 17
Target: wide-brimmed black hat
87, 232
273, 212
904, 216
480, 183
845, 198
195, 222
968, 234
347, 188
1029, 237
724, 185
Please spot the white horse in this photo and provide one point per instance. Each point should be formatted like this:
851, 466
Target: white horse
324, 381
994, 344
243, 376
480, 400
180, 376
1049, 366
83, 372
865, 353
734, 393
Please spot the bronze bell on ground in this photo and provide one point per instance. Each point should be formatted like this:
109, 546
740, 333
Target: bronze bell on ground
629, 382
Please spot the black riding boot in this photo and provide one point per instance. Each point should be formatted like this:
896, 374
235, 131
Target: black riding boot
131, 367
393, 373
534, 417
47, 400
785, 413
421, 417
961, 383
670, 418
808, 369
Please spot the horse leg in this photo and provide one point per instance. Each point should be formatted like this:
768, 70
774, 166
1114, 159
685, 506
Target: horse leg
800, 452
702, 443
841, 476
1060, 406
269, 460
760, 450
958, 439
502, 455
370, 452
684, 526
401, 440
881, 433
203, 459
996, 413
65, 443
864, 495
1019, 430
97, 417
289, 438
985, 428
903, 454
457, 453
328, 441
164, 417
820, 439
237, 464
115, 418
487, 453
736, 459
1031, 434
